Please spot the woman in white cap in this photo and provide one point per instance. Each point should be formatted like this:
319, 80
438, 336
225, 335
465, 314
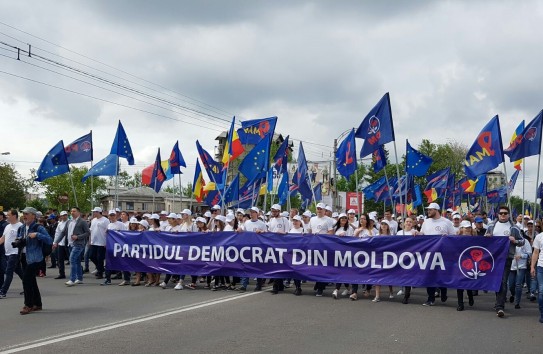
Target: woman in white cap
221, 281
384, 231
407, 229
465, 229
201, 224
297, 227
363, 229
231, 223
186, 224
342, 227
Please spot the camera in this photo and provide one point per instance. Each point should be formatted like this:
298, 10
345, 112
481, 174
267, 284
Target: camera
19, 243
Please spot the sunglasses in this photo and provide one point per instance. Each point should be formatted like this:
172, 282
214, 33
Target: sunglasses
503, 213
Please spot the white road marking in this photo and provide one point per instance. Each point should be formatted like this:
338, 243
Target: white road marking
128, 322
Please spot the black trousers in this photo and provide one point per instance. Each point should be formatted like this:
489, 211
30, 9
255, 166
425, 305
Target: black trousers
63, 254
30, 285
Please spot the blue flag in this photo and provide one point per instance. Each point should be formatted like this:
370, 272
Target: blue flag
439, 179
346, 156
513, 181
486, 153
257, 162
416, 164
269, 181
540, 194
54, 163
528, 143
176, 160
213, 168
80, 150
317, 190
281, 157
418, 197
232, 193
282, 190
213, 198
301, 172
158, 177
121, 145
369, 191
105, 167
305, 190
252, 131
379, 159
376, 129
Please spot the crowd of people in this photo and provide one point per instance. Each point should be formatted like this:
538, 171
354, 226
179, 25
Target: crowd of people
78, 239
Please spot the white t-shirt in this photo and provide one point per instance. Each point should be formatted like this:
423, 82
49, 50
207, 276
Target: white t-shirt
321, 225
253, 226
406, 233
342, 232
279, 225
441, 226
538, 243
164, 225
117, 226
188, 228
502, 229
60, 228
367, 233
393, 226
10, 234
307, 227
228, 227
98, 230
293, 230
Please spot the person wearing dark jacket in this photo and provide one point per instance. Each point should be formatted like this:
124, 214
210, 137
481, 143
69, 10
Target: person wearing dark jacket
32, 236
505, 227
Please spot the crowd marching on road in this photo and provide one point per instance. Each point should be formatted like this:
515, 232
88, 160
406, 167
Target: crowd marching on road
78, 239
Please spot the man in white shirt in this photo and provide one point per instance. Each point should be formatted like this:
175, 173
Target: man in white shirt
98, 228
393, 223
306, 219
457, 219
163, 220
115, 224
12, 254
321, 224
435, 224
253, 225
536, 270
63, 250
280, 225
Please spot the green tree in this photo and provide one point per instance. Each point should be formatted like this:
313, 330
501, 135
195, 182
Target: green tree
58, 187
12, 187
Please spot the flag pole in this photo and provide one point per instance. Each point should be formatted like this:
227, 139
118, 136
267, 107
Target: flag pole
73, 187
312, 191
536, 188
117, 183
523, 184
359, 211
397, 170
92, 184
507, 184
266, 194
154, 190
389, 193
180, 193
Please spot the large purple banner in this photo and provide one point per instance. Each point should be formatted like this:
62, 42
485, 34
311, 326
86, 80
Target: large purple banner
460, 262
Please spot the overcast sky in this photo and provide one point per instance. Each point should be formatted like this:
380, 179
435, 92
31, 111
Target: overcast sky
320, 66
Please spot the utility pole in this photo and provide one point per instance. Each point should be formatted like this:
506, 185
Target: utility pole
335, 195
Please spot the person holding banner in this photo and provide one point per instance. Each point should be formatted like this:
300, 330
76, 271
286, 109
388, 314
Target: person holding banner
407, 230
254, 224
363, 229
385, 230
306, 218
465, 229
342, 228
504, 227
436, 225
321, 224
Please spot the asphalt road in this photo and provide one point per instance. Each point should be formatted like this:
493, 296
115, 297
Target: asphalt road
94, 319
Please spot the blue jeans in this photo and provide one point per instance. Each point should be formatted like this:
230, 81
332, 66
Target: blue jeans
516, 280
76, 270
539, 275
12, 266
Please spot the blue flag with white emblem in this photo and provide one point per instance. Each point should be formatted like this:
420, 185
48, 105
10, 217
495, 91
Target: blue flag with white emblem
80, 150
105, 167
346, 156
54, 163
121, 145
486, 153
376, 129
528, 143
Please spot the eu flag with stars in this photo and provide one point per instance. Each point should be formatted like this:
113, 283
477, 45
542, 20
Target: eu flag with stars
105, 167
176, 160
232, 192
346, 156
80, 150
257, 162
486, 153
121, 145
54, 163
528, 143
376, 129
416, 164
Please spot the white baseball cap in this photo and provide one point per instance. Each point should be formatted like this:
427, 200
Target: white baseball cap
146, 215
351, 211
321, 205
449, 210
215, 207
172, 216
465, 223
342, 215
335, 214
239, 210
154, 216
230, 217
117, 210
220, 218
201, 219
62, 213
207, 214
186, 211
457, 216
255, 209
433, 206
134, 221
329, 208
284, 214
97, 209
144, 223
276, 207
307, 213
297, 217
163, 212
